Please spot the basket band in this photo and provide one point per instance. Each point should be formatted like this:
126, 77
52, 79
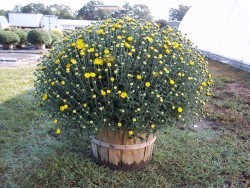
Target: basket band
123, 147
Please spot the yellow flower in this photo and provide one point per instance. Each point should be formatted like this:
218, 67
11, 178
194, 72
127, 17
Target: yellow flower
109, 64
92, 74
147, 84
149, 39
130, 39
82, 53
67, 65
139, 77
127, 45
103, 93
73, 61
116, 26
57, 61
100, 31
123, 95
106, 51
134, 119
170, 29
62, 82
153, 126
112, 79
191, 63
98, 61
167, 51
62, 108
45, 97
91, 50
171, 82
94, 96
79, 44
166, 70
52, 83
58, 131
87, 75
119, 124
119, 37
55, 121
180, 110
108, 91
130, 54
130, 132
85, 105
204, 84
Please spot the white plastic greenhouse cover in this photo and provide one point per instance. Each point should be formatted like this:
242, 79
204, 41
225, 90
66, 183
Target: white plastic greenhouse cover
220, 27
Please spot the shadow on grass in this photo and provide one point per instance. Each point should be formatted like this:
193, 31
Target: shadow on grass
26, 143
31, 157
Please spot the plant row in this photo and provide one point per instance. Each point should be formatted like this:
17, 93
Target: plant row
22, 37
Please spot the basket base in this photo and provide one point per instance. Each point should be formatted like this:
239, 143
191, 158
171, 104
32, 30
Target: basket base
124, 167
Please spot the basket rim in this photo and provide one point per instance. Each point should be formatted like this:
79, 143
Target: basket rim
123, 147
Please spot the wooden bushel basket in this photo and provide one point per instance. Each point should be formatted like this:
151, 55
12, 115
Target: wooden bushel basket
118, 151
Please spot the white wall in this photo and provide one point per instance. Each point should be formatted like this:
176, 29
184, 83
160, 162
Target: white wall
221, 27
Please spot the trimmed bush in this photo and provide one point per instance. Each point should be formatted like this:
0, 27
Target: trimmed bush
9, 37
22, 35
39, 36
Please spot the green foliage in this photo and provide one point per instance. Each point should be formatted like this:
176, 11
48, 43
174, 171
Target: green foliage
137, 11
123, 74
33, 8
9, 37
62, 11
141, 12
22, 35
178, 14
89, 11
39, 36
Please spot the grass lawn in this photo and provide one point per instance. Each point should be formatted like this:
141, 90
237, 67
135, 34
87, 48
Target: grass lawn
216, 156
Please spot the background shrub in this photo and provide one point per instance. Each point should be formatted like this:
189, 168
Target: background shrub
59, 33
55, 38
39, 36
9, 37
22, 35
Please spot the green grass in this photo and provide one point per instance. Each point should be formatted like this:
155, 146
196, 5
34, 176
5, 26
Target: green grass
30, 156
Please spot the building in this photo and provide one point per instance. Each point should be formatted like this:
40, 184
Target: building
68, 24
221, 30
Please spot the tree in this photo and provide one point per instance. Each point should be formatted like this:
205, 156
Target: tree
17, 8
89, 11
162, 23
61, 11
137, 11
4, 13
141, 12
33, 8
179, 13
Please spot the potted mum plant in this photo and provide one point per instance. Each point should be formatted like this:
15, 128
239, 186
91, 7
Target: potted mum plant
8, 39
123, 79
39, 37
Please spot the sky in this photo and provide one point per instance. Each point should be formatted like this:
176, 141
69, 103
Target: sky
158, 8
